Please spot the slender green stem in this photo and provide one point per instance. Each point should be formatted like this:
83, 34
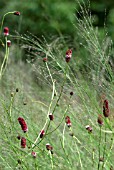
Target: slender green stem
64, 135
111, 147
51, 158
5, 59
104, 149
81, 165
99, 147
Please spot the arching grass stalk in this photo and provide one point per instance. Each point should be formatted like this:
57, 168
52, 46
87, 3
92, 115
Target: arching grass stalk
99, 147
65, 76
3, 20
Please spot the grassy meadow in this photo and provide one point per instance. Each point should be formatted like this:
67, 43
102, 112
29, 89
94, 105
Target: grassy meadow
66, 106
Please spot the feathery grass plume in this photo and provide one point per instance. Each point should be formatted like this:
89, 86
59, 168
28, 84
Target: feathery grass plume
23, 124
68, 122
6, 31
106, 110
23, 142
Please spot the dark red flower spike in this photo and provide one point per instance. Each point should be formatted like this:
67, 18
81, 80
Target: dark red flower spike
23, 142
23, 124
106, 111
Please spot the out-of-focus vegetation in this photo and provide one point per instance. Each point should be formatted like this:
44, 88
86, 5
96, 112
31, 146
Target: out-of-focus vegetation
50, 17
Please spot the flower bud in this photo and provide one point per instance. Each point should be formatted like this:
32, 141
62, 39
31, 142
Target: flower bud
45, 59
68, 122
89, 128
16, 13
100, 120
8, 43
68, 55
33, 154
49, 148
51, 117
6, 31
71, 93
42, 133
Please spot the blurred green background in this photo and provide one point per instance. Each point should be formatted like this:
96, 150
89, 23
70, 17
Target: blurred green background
55, 17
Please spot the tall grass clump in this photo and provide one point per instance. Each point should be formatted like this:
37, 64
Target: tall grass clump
68, 122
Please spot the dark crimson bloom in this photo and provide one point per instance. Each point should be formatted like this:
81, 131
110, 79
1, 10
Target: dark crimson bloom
89, 128
68, 55
16, 13
23, 142
23, 124
42, 133
6, 31
45, 59
33, 154
49, 148
106, 108
8, 43
68, 122
71, 93
100, 120
51, 117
